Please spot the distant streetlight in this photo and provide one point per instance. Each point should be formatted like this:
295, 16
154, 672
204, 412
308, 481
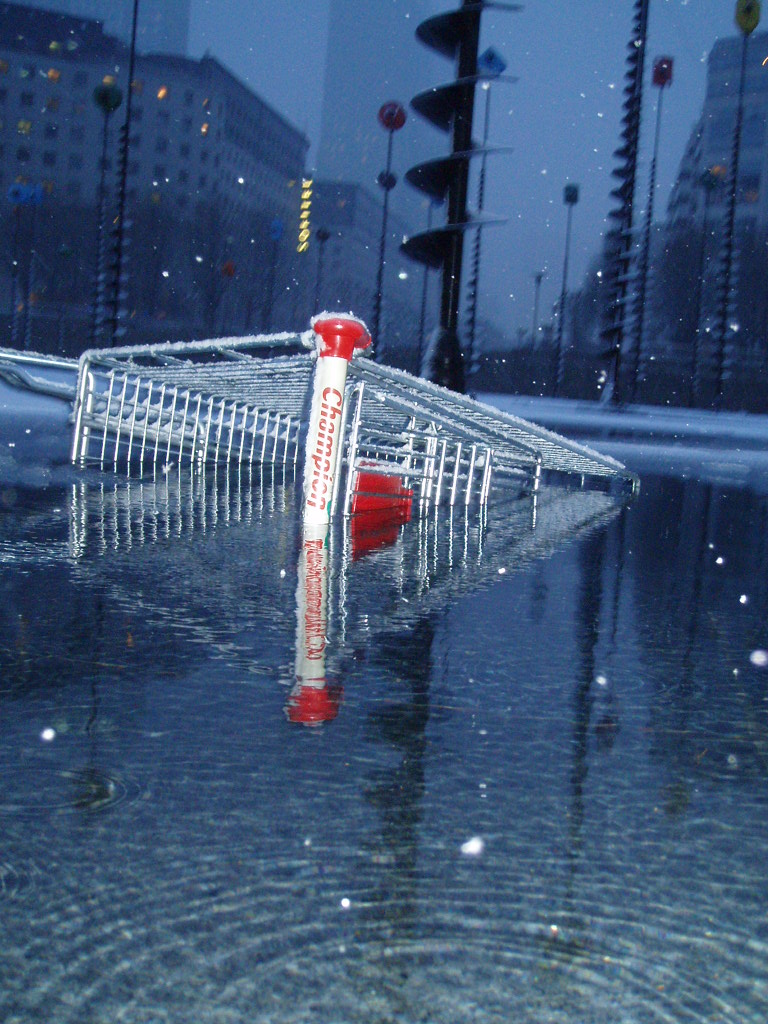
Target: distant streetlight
662, 77
391, 118
107, 98
747, 17
322, 235
538, 277
570, 198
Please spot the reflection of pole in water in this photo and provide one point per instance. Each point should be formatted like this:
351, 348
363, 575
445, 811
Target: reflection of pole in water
396, 793
312, 701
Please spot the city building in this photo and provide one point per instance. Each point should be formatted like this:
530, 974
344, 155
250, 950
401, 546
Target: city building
707, 157
375, 58
348, 219
205, 153
163, 25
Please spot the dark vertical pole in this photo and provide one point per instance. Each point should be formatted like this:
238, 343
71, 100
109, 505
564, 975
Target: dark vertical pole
386, 184
424, 291
15, 276
97, 313
474, 282
537, 279
642, 282
725, 291
457, 194
125, 142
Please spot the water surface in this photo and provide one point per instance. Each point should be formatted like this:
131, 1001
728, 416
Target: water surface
540, 794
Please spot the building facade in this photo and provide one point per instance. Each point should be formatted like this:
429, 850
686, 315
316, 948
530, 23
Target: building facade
163, 25
211, 167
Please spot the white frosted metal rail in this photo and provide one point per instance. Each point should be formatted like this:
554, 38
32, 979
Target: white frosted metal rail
369, 436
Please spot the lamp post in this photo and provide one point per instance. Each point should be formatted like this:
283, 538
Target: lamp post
538, 277
392, 118
747, 17
322, 235
107, 98
662, 76
570, 198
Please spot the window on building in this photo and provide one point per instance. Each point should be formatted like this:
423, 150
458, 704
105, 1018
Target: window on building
183, 177
74, 189
161, 144
3, 67
52, 103
27, 99
189, 97
137, 113
27, 71
51, 131
163, 92
75, 162
53, 75
49, 158
24, 127
159, 173
184, 150
79, 79
23, 155
77, 133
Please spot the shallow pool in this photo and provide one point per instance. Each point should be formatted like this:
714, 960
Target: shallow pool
539, 792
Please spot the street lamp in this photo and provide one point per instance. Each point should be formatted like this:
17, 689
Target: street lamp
107, 98
662, 76
570, 198
391, 118
538, 277
322, 235
747, 17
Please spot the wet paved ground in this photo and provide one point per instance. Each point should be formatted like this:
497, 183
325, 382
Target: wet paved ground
540, 793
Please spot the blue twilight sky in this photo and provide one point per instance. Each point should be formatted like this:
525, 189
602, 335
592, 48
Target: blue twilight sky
562, 117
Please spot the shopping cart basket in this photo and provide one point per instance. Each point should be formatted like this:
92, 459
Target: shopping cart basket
372, 436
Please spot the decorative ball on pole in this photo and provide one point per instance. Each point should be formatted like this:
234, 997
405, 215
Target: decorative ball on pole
392, 118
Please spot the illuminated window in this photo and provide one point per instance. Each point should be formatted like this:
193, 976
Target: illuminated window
108, 80
3, 67
24, 127
204, 128
27, 71
53, 75
54, 46
52, 103
162, 92
137, 86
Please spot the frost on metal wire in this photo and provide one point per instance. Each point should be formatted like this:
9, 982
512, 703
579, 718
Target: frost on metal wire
399, 440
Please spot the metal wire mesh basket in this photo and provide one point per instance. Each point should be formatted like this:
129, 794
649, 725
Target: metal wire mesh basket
141, 410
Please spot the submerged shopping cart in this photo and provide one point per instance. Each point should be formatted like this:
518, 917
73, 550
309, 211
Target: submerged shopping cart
367, 436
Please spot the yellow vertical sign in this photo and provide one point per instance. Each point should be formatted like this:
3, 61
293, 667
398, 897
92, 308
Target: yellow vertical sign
305, 210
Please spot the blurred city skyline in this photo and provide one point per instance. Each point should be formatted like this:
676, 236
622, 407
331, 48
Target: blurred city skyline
562, 117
